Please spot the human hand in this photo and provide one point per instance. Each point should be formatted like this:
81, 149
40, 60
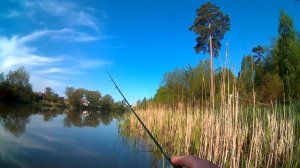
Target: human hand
190, 161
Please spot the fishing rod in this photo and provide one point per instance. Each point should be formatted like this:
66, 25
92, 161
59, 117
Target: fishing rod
144, 126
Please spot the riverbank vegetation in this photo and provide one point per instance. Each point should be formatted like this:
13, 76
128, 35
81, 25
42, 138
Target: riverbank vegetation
15, 87
80, 98
248, 119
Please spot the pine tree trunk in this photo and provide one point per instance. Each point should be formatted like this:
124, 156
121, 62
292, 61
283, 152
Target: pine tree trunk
212, 94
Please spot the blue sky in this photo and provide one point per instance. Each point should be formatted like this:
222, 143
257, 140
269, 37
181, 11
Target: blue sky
74, 43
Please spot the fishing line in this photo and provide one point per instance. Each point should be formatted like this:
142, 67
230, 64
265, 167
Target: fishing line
144, 126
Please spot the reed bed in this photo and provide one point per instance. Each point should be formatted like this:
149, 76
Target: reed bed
230, 135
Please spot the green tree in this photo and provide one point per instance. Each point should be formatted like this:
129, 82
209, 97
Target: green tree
246, 76
69, 91
2, 82
199, 81
106, 102
163, 96
184, 86
119, 106
259, 52
49, 94
93, 97
18, 82
2, 78
210, 25
259, 59
271, 88
285, 54
75, 99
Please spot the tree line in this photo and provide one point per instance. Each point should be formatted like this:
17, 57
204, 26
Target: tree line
271, 73
81, 98
15, 87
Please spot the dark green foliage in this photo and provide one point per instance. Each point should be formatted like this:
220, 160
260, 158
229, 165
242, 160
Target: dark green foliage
83, 98
271, 88
119, 106
184, 86
93, 97
246, 76
287, 57
209, 21
49, 94
271, 73
142, 104
258, 53
2, 78
15, 86
275, 76
75, 97
69, 91
106, 103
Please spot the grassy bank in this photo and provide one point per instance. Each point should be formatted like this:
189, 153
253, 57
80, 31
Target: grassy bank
232, 135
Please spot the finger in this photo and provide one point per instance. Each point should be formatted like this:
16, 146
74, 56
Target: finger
185, 161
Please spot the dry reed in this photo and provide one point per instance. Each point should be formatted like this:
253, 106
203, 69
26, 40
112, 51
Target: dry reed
233, 135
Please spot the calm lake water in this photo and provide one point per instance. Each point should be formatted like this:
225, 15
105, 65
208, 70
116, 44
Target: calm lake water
59, 138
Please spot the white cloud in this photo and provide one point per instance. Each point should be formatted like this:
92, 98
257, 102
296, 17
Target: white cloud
27, 60
62, 34
41, 81
58, 70
54, 71
68, 12
14, 53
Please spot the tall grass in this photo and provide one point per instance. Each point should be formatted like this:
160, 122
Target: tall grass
231, 135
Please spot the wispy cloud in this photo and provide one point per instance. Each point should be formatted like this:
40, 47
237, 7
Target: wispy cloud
67, 12
14, 52
58, 70
85, 64
57, 22
45, 70
12, 14
62, 34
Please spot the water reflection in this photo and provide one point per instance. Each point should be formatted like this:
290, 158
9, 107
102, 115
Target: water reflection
32, 137
141, 144
90, 118
14, 118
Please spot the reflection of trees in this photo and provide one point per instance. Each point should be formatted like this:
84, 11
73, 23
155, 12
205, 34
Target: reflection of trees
14, 118
50, 113
139, 142
15, 124
94, 119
